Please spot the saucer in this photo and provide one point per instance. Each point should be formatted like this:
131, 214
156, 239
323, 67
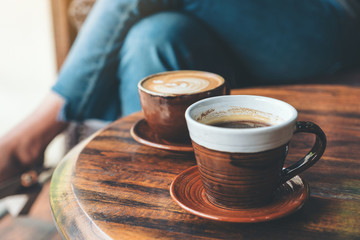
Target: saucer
188, 192
143, 134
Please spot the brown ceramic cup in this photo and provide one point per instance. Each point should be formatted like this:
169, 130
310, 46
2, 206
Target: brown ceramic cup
241, 142
165, 96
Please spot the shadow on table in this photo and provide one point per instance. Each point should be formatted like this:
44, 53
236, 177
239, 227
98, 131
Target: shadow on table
317, 220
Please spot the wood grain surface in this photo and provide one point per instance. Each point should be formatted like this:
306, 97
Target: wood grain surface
115, 188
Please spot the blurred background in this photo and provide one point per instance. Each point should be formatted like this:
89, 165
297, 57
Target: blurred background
35, 37
28, 65
27, 58
28, 68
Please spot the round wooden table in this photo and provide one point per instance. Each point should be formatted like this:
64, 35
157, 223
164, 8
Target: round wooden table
112, 187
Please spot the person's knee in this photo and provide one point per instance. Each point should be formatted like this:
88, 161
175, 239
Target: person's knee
171, 41
167, 37
158, 29
157, 43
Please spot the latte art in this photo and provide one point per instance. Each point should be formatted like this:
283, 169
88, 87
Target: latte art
181, 82
179, 86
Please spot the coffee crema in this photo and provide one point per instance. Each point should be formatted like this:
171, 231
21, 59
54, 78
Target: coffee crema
182, 82
241, 124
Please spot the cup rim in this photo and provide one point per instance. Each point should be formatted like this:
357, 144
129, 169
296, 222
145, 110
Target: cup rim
292, 118
141, 88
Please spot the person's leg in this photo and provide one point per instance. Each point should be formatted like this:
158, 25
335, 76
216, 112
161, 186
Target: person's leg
168, 41
88, 80
284, 41
89, 72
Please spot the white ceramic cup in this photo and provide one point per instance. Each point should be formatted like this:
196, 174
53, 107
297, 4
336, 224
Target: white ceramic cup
242, 167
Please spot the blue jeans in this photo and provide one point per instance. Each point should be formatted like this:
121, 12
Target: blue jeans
249, 42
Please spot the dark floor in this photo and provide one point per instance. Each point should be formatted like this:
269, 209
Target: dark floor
37, 224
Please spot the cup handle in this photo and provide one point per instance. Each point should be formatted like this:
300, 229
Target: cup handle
312, 157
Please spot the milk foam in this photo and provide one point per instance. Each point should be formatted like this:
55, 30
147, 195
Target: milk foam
179, 86
182, 83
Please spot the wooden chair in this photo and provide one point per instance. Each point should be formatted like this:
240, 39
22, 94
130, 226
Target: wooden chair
68, 16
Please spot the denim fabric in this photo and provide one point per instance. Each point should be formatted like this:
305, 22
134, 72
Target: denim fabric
284, 41
249, 42
179, 42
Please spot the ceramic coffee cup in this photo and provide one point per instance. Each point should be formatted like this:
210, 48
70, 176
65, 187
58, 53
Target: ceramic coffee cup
241, 142
165, 96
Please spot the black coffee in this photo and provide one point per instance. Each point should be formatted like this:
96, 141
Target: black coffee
241, 124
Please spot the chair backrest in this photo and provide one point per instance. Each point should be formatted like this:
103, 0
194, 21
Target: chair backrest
68, 17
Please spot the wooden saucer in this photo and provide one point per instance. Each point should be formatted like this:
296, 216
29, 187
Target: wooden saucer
188, 192
143, 134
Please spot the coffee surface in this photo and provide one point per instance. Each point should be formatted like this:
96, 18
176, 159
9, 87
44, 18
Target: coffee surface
182, 82
241, 124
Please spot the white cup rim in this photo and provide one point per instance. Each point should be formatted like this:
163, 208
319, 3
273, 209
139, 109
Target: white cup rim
264, 138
